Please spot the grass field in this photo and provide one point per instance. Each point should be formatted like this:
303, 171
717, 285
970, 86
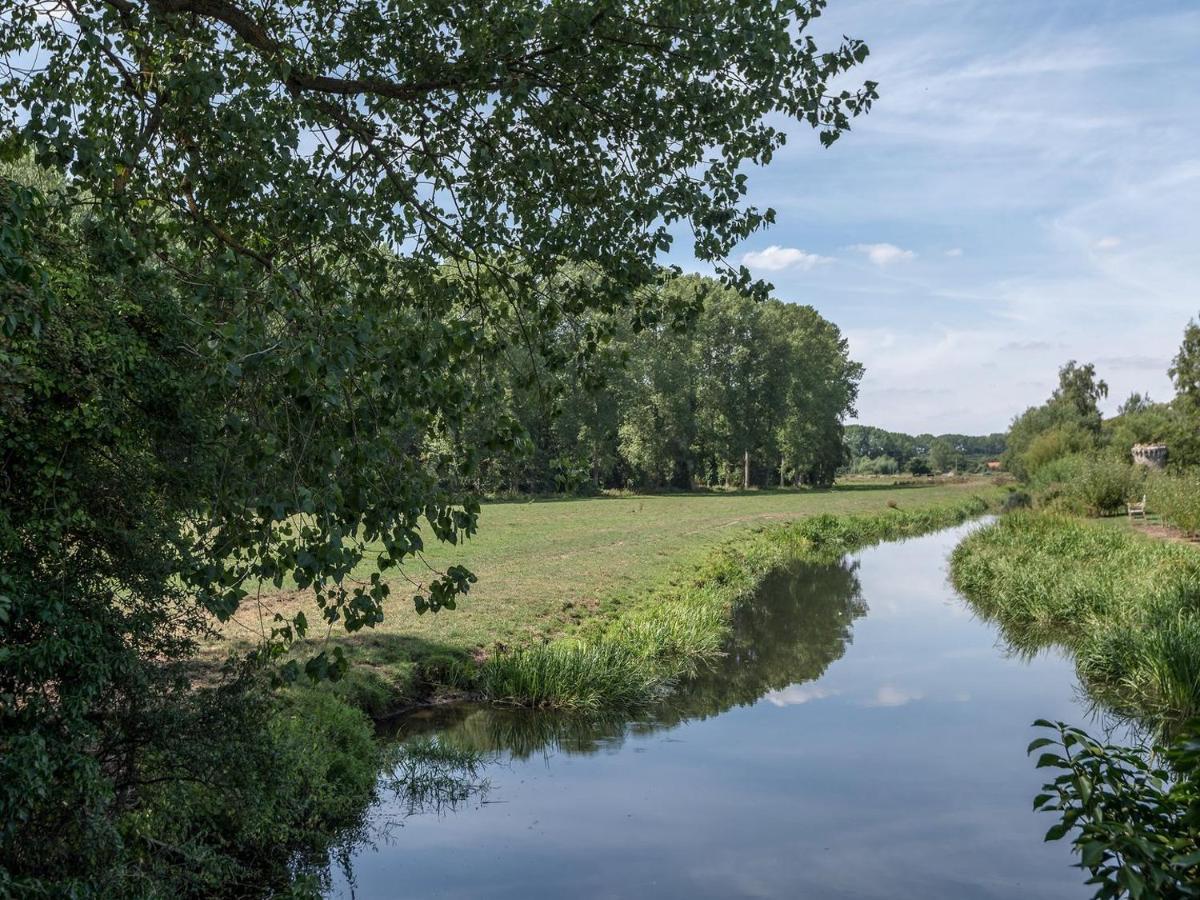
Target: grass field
546, 566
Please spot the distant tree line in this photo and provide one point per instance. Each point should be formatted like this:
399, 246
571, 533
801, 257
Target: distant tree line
741, 393
875, 451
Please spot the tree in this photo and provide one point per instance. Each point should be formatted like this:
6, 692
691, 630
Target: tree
1081, 392
1185, 367
244, 336
942, 456
1069, 422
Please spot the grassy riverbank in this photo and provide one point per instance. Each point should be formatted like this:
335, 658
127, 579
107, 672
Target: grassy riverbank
599, 602
1126, 606
638, 654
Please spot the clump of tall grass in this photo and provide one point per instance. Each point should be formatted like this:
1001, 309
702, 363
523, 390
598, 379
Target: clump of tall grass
1128, 607
588, 676
631, 660
1175, 498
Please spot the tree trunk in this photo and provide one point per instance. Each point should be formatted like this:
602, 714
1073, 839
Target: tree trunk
782, 468
745, 470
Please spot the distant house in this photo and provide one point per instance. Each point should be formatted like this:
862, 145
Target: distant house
993, 465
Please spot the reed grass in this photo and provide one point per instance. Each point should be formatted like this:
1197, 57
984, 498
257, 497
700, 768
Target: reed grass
1126, 606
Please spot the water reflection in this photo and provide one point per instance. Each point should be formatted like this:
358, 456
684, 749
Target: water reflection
800, 622
863, 738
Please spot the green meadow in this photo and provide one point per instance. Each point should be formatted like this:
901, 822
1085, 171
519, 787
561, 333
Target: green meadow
548, 567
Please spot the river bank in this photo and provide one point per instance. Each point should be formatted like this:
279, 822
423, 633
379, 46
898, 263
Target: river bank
642, 595
1123, 603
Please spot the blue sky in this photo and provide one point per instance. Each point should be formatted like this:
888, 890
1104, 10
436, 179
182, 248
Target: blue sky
1025, 192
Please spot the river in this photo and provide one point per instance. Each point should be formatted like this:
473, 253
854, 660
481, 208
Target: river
864, 738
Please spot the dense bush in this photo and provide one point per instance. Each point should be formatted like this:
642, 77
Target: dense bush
1091, 484
877, 465
1175, 497
1104, 484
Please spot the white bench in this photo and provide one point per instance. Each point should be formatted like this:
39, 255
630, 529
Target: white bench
1137, 510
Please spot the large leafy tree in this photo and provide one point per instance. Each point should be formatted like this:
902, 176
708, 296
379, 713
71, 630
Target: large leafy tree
244, 335
1069, 422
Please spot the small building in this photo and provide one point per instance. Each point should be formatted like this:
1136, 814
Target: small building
993, 465
1153, 456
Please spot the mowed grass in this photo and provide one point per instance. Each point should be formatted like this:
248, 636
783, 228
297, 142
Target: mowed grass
547, 566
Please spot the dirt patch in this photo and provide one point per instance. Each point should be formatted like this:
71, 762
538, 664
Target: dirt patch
1161, 532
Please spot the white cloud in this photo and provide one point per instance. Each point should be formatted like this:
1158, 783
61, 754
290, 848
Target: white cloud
798, 694
890, 695
776, 259
954, 252
1108, 243
884, 254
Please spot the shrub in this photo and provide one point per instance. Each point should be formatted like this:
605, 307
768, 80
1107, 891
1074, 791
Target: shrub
1133, 811
878, 465
1085, 484
1050, 446
1016, 500
290, 772
1176, 498
1104, 485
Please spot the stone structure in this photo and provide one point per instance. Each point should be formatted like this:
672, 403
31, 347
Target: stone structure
1152, 455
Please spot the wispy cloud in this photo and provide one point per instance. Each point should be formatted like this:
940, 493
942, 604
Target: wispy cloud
884, 254
1018, 135
776, 259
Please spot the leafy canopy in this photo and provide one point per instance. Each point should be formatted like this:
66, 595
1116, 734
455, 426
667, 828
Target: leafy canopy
252, 294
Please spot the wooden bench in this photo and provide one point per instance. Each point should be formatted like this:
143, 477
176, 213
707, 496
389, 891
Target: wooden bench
1137, 510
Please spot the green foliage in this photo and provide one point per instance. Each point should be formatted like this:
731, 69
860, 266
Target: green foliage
1085, 484
1141, 421
1175, 498
1133, 815
1124, 604
964, 451
1069, 422
876, 465
246, 338
918, 466
765, 383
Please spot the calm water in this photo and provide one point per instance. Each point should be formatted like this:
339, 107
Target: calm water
865, 738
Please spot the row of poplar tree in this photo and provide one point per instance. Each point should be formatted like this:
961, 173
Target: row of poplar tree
742, 393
